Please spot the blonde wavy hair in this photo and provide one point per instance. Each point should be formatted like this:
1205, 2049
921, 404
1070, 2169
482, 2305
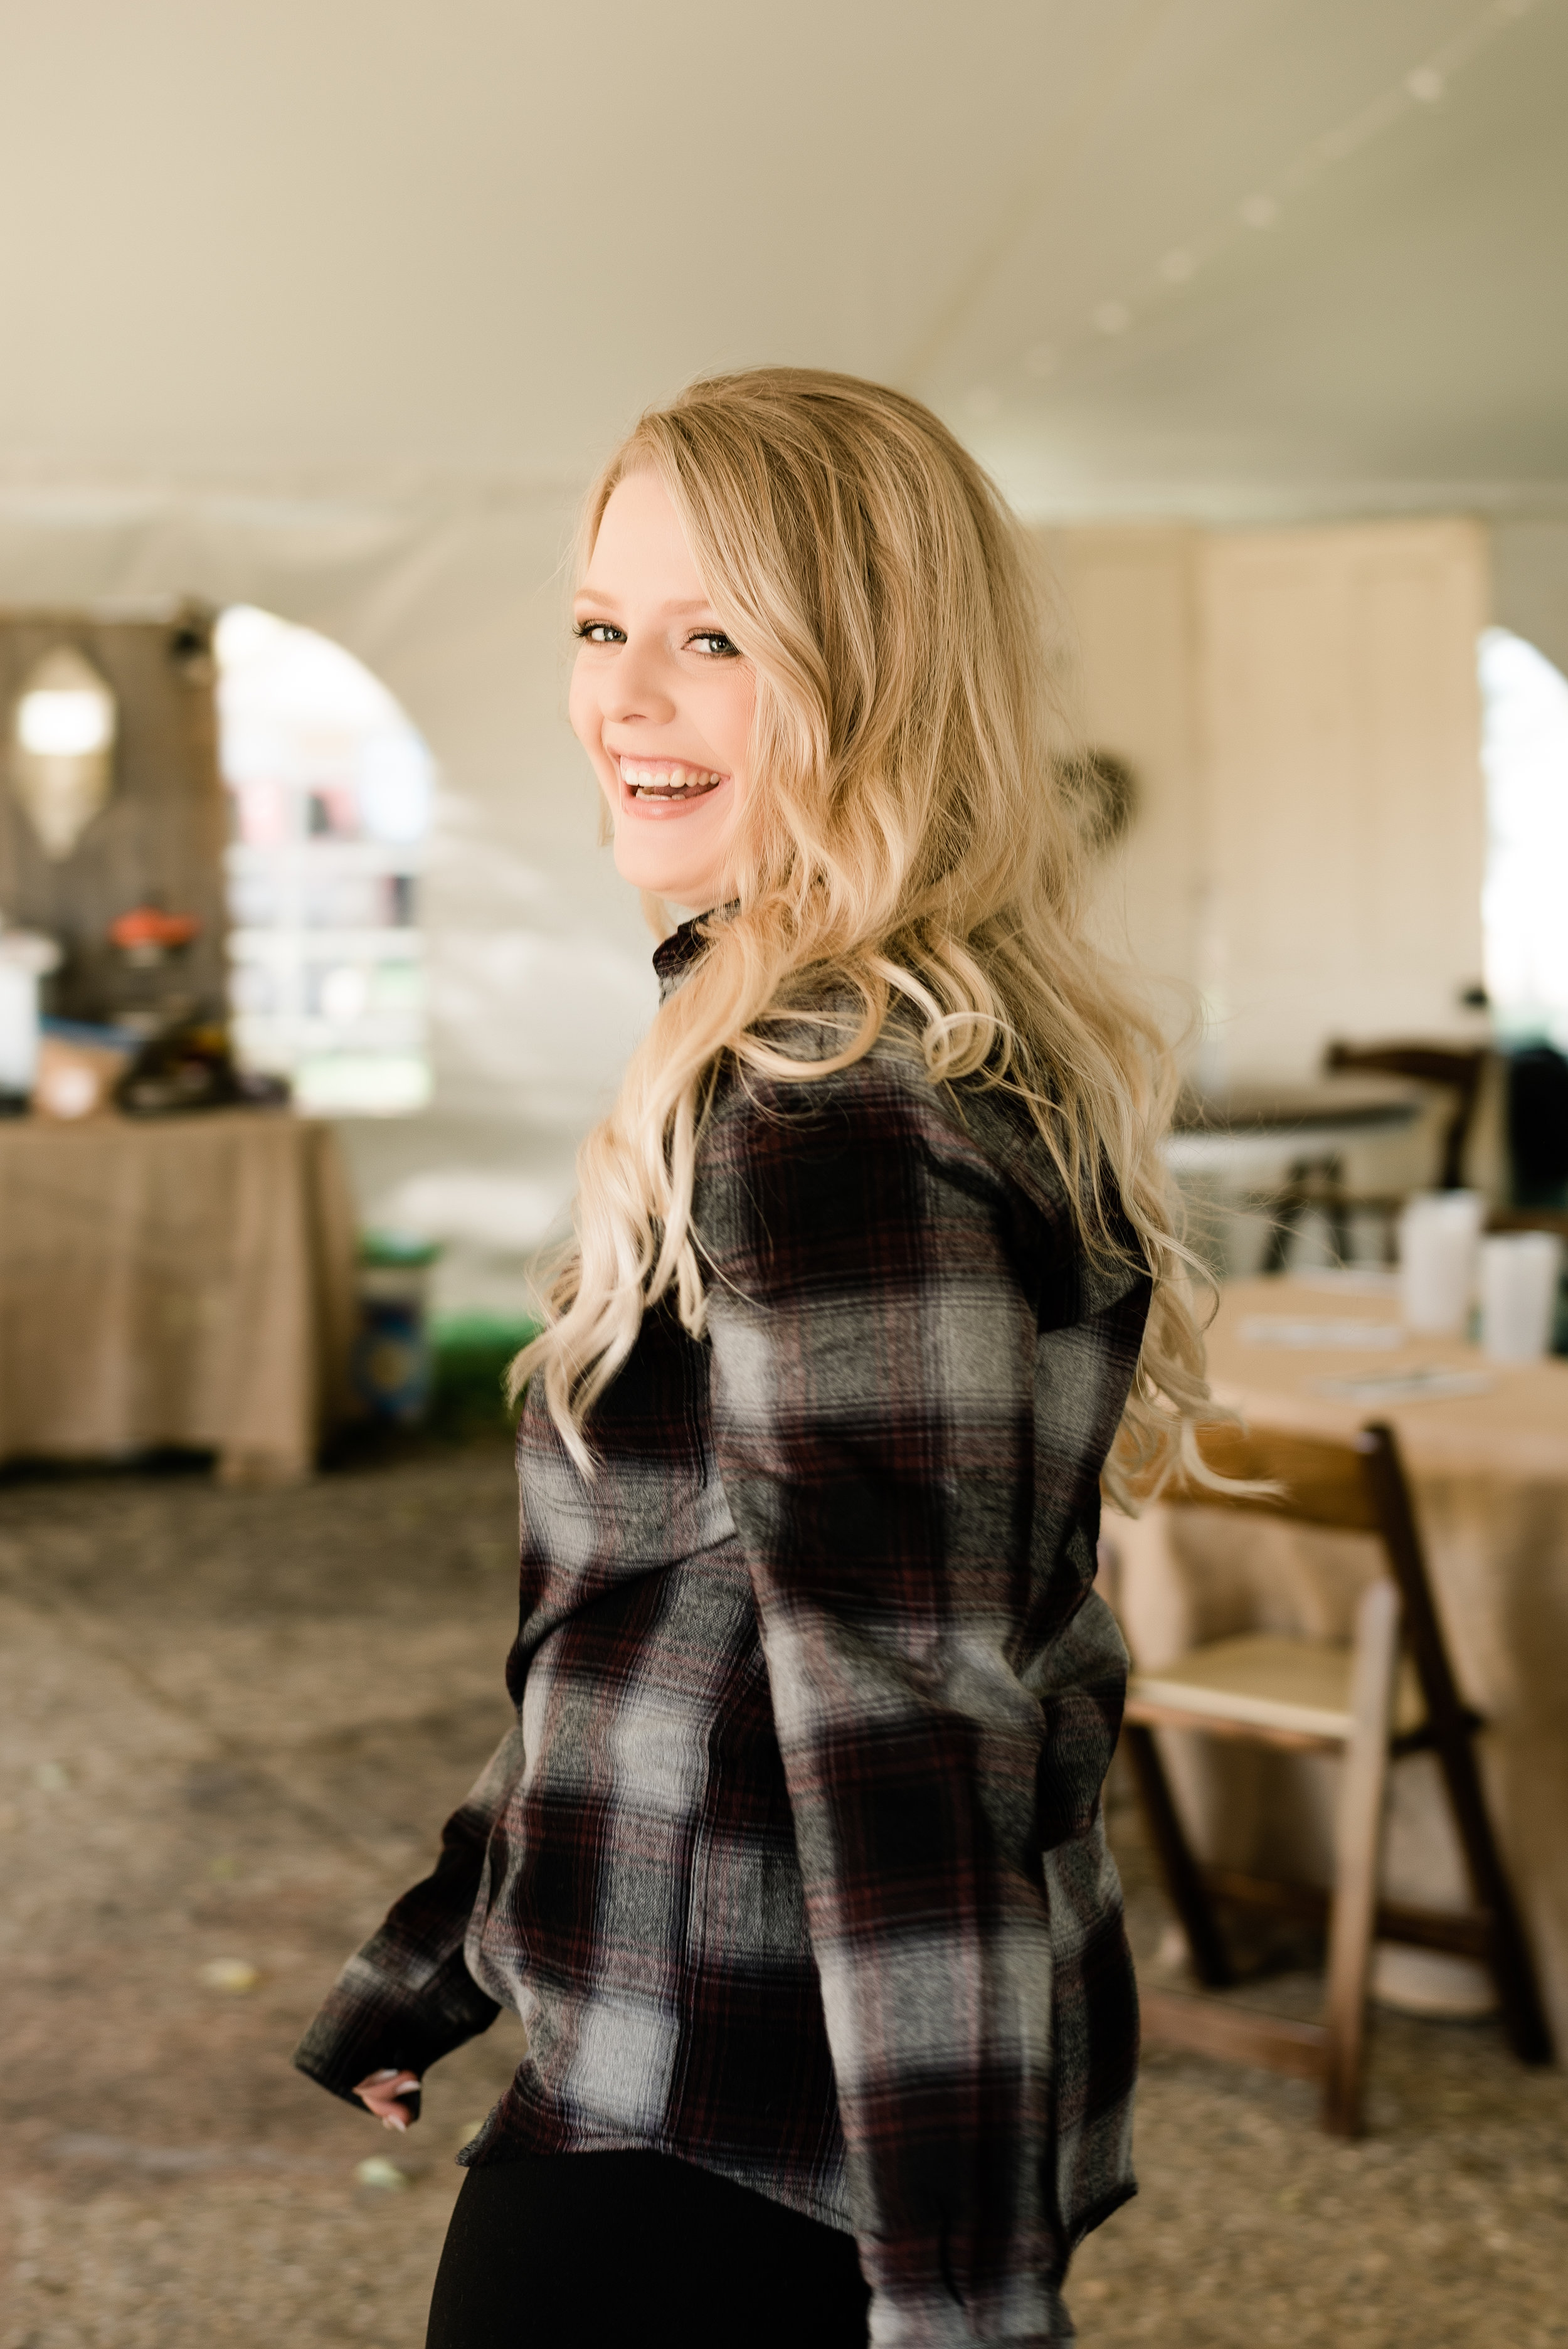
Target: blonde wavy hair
910, 837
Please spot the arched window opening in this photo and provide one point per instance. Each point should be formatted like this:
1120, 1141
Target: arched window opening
1524, 901
330, 790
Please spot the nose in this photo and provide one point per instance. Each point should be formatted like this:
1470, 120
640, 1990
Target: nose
638, 687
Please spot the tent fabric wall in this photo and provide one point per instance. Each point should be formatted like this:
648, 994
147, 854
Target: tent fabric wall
1130, 686
1345, 804
1301, 708
537, 956
1530, 583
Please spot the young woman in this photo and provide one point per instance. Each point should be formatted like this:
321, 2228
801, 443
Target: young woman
793, 1865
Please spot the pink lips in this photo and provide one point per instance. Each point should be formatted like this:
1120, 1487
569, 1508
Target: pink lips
664, 788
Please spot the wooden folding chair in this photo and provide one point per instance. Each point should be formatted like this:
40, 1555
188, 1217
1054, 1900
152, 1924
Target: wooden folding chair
1457, 1068
1368, 1703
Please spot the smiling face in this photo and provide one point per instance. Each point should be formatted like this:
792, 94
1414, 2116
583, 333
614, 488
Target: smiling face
661, 700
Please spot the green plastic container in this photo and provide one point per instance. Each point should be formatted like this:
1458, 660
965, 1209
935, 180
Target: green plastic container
472, 1354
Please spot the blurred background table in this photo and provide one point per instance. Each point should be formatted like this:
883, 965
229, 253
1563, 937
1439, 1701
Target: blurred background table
1257, 1123
1490, 1474
1256, 1161
183, 1282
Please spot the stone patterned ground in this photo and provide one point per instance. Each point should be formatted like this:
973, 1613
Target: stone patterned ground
230, 1726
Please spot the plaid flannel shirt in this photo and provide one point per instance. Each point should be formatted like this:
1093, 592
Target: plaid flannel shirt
793, 1865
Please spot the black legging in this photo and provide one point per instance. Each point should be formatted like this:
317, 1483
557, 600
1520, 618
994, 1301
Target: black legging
606, 2250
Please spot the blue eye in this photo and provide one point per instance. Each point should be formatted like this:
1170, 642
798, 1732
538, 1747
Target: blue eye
598, 632
715, 644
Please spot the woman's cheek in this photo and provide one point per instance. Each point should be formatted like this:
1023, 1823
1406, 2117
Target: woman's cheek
583, 709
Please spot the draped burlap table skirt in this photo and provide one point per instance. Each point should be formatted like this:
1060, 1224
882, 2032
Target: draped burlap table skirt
179, 1281
1490, 1478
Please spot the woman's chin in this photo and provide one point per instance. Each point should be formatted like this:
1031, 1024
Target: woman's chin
683, 895
679, 881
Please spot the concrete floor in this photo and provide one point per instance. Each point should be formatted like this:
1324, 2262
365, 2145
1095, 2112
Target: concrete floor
230, 1725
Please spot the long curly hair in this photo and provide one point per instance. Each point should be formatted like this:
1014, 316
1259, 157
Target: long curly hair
909, 836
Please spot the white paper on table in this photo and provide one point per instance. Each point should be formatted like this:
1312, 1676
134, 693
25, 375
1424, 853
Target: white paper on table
1406, 1386
1318, 1333
1350, 1279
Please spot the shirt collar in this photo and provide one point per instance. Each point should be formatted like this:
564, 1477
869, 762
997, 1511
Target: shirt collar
675, 956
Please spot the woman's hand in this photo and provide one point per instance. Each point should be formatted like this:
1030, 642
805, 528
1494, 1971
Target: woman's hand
381, 2091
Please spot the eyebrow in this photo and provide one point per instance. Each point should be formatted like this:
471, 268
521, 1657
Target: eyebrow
597, 595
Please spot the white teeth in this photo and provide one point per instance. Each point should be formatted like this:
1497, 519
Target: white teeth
666, 783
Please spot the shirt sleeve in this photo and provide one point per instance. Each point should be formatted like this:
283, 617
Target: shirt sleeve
408, 1998
874, 1307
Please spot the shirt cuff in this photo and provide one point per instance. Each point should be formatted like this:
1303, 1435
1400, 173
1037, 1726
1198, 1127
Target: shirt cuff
367, 2021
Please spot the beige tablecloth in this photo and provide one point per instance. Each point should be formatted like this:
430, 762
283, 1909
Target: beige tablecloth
1490, 1474
185, 1281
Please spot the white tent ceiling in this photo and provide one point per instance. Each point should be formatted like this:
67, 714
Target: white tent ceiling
326, 239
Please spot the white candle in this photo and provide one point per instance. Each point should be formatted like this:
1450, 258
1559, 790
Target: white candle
1439, 1235
1519, 1276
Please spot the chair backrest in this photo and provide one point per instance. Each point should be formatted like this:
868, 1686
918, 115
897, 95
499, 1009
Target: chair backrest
1528, 1219
1356, 1486
1318, 1481
1456, 1067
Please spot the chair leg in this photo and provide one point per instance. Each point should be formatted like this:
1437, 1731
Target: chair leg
1358, 1844
1524, 2017
1183, 1880
1284, 1216
1337, 1206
